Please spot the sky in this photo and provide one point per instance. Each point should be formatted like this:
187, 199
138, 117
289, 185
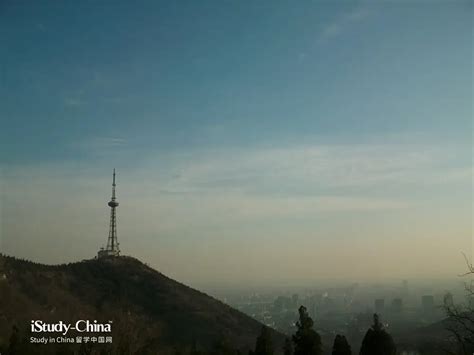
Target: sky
255, 141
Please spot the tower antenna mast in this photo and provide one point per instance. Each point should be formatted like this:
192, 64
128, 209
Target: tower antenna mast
112, 248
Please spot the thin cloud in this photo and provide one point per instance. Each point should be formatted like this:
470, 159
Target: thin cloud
316, 195
342, 24
106, 142
74, 98
73, 102
305, 168
101, 146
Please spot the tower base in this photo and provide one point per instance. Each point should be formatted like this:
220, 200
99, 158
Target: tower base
107, 253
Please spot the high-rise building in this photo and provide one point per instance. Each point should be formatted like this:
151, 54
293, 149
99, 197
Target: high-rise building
294, 300
427, 303
449, 299
313, 303
397, 305
379, 305
405, 286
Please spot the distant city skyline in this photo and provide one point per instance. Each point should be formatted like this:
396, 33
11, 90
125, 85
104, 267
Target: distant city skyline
254, 141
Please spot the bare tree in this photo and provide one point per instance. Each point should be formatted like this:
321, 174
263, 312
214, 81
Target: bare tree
460, 322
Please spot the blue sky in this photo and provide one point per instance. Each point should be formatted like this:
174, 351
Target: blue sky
298, 118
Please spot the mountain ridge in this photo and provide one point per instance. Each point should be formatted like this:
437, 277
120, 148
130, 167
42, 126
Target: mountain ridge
150, 311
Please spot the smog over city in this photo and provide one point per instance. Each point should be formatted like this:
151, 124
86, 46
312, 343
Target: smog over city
236, 177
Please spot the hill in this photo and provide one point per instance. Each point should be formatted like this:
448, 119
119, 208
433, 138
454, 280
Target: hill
433, 339
149, 312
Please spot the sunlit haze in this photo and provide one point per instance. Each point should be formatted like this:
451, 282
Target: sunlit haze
254, 142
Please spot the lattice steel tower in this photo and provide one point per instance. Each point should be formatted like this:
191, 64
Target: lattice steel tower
112, 248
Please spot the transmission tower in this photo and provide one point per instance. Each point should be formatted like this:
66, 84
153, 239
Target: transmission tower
112, 248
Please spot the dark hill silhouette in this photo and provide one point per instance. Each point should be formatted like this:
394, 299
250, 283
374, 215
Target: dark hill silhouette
433, 339
150, 312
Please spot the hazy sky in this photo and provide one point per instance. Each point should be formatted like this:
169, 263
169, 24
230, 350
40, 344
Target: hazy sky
253, 140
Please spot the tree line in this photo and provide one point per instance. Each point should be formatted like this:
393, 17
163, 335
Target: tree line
306, 341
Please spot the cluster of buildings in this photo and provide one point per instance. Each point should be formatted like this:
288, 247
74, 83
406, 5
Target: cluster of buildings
346, 307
